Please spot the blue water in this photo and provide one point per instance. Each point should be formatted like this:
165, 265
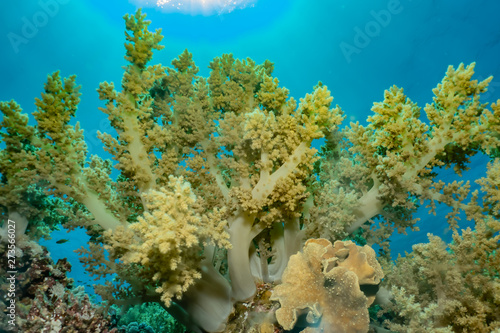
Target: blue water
357, 48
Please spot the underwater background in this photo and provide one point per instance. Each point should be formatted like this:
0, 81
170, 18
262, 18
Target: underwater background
356, 48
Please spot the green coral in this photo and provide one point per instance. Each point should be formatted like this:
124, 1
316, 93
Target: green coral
154, 316
23, 184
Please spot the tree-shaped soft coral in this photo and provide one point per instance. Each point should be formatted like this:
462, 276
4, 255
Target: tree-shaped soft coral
129, 110
170, 248
390, 164
142, 41
17, 161
453, 287
30, 152
168, 239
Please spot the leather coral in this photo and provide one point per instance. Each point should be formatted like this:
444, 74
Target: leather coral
323, 284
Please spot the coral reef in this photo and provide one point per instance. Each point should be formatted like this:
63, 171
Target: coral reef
148, 317
219, 187
135, 328
46, 299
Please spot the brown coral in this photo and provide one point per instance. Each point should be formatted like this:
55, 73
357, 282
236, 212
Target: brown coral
45, 298
324, 283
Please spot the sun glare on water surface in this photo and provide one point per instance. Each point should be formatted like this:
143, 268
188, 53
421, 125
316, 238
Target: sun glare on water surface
195, 7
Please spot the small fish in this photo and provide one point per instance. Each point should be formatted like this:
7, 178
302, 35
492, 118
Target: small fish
62, 241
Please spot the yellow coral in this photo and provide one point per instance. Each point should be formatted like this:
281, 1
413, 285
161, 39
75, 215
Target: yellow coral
397, 151
453, 287
130, 109
142, 42
227, 162
167, 240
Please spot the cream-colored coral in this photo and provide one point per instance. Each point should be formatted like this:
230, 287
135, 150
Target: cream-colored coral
323, 283
167, 240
